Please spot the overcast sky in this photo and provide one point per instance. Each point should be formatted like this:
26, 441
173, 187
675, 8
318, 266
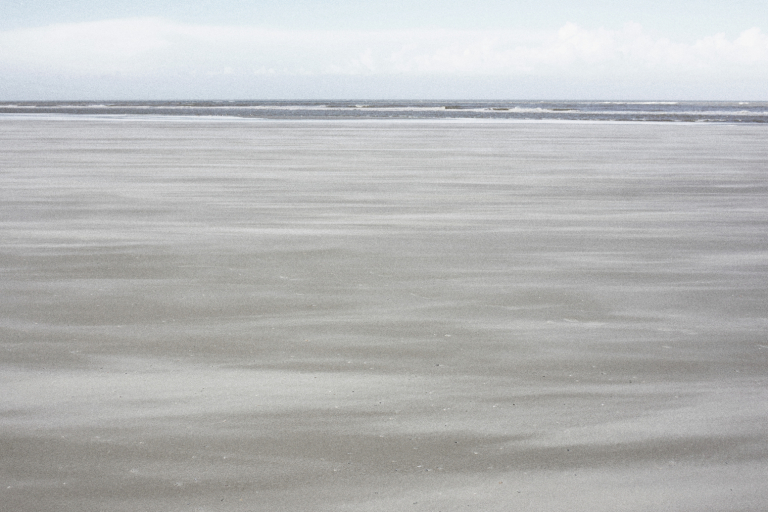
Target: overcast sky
236, 49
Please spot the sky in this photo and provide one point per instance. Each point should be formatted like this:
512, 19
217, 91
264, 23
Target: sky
398, 49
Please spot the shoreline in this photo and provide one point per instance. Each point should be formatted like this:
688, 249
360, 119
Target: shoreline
453, 120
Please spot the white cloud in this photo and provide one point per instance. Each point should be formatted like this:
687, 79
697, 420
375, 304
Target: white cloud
158, 49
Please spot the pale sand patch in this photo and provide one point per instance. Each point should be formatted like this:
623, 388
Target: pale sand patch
363, 316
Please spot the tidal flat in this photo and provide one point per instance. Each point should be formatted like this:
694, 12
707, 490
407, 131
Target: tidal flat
232, 315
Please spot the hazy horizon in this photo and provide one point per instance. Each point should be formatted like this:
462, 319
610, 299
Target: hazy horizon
689, 51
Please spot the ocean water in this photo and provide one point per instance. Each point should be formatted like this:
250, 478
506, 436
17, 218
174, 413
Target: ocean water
669, 111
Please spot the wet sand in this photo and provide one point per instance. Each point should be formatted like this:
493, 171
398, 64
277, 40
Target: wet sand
377, 316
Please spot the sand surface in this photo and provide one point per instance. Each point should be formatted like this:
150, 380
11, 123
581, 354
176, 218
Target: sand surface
382, 316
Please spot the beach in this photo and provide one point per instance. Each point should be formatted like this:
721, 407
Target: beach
201, 314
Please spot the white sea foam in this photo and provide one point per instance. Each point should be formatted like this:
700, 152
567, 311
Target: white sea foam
739, 112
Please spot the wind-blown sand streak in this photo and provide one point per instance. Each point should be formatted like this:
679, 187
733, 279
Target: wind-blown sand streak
382, 316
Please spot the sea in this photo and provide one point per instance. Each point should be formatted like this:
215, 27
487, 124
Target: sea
746, 112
